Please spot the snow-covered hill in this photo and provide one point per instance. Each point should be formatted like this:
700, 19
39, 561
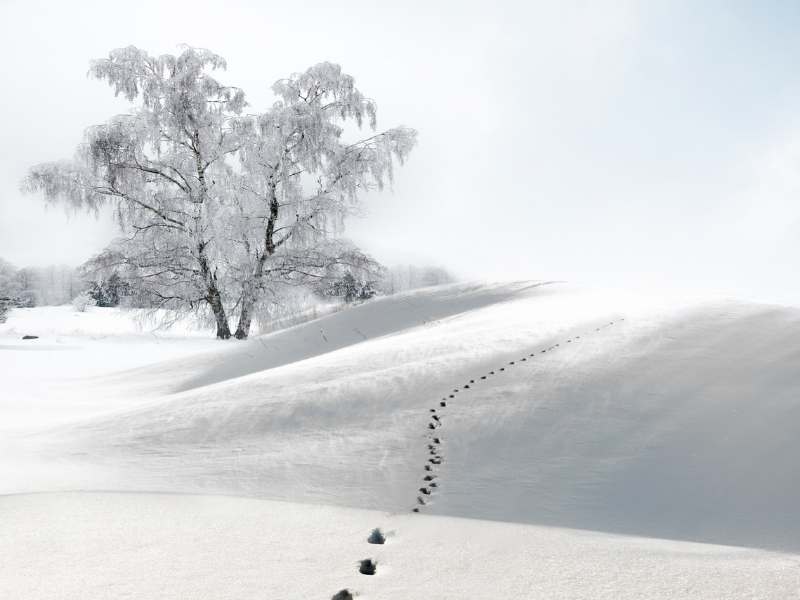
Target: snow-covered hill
536, 404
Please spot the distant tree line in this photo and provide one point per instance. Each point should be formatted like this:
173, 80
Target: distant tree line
103, 281
37, 286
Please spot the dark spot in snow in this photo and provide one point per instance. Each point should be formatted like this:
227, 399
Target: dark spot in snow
30, 337
367, 567
376, 537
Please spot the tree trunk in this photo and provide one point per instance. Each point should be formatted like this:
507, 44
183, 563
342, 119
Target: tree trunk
246, 315
215, 301
249, 292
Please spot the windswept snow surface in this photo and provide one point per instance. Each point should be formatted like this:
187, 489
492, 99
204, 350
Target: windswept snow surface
680, 421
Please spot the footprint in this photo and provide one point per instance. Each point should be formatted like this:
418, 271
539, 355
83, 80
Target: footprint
436, 440
483, 376
429, 478
472, 381
502, 368
428, 468
367, 567
431, 426
376, 537
466, 387
342, 595
511, 363
425, 491
443, 403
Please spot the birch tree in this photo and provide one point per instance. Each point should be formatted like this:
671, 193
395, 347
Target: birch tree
217, 206
301, 178
162, 167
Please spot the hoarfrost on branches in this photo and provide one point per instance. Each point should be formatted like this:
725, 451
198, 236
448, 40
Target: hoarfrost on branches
218, 207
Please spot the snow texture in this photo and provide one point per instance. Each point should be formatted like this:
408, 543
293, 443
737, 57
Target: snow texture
591, 439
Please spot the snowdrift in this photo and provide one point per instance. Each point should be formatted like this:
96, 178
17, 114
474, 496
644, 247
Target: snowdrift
656, 417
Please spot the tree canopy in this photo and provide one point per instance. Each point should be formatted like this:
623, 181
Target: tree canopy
218, 205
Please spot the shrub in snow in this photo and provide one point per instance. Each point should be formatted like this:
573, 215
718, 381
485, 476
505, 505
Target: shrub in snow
109, 291
350, 289
81, 301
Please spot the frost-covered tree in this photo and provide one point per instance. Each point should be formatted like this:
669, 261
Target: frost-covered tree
163, 169
302, 178
218, 206
9, 282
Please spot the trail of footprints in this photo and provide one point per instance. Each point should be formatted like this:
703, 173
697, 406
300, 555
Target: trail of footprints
430, 483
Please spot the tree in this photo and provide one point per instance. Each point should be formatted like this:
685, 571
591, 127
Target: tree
218, 206
9, 282
162, 166
302, 179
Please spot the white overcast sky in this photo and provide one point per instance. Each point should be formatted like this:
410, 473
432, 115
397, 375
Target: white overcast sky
632, 143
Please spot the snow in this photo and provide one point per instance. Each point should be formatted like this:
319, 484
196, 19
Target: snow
90, 545
651, 455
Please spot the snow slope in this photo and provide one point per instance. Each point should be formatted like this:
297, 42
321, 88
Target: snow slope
658, 416
145, 546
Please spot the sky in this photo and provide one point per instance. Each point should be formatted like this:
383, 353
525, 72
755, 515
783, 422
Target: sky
638, 144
